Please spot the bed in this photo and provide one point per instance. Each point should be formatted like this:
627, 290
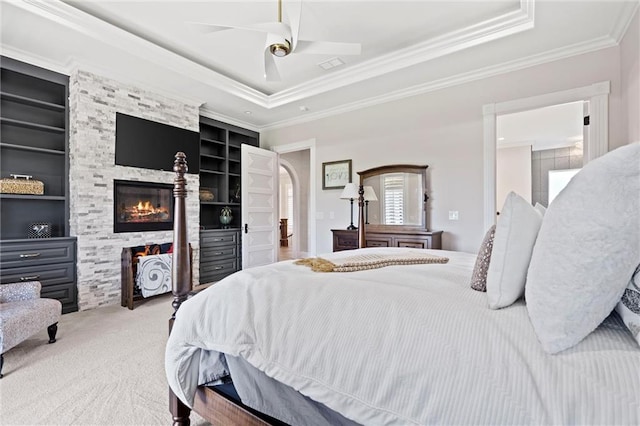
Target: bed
397, 345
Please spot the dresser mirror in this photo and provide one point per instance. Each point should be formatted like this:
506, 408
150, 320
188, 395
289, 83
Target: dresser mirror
395, 198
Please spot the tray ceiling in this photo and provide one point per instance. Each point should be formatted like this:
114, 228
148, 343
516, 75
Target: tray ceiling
408, 47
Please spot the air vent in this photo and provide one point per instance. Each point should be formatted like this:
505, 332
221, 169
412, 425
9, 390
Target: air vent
331, 63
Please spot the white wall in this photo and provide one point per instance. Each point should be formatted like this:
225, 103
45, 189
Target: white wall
513, 173
630, 76
442, 129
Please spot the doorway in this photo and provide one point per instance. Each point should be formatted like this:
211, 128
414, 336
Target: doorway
538, 151
298, 160
596, 141
287, 216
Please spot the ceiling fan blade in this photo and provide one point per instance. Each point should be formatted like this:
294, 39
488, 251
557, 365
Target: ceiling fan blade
270, 69
294, 12
328, 48
277, 28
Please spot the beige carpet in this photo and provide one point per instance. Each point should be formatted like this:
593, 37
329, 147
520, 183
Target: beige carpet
107, 368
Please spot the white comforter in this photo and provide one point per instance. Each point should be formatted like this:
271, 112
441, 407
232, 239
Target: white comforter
411, 344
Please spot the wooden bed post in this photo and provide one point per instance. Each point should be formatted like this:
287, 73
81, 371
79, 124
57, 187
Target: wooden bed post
180, 269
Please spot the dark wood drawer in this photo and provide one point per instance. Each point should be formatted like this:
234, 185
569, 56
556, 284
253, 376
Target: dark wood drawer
38, 252
218, 253
344, 239
421, 243
215, 271
217, 238
372, 240
46, 274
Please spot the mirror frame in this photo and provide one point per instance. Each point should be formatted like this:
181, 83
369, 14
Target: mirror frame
395, 168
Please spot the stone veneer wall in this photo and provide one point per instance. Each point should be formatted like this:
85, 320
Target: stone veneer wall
94, 101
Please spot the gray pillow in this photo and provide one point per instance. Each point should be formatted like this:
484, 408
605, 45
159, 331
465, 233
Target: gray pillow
479, 276
629, 306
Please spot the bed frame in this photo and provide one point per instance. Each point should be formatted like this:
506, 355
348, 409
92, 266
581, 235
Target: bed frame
210, 403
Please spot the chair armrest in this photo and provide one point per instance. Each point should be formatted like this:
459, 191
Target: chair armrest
19, 291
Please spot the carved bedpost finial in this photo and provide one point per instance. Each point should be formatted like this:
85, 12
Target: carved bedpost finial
180, 182
181, 260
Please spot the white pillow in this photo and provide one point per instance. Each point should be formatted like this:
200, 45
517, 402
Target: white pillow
587, 249
629, 306
516, 231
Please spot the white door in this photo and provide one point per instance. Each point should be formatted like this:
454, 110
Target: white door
259, 206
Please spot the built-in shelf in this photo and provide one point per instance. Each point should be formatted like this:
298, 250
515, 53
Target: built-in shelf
220, 173
34, 119
31, 148
31, 101
31, 125
33, 197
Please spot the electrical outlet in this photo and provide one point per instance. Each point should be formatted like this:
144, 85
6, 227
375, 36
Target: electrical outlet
453, 214
319, 215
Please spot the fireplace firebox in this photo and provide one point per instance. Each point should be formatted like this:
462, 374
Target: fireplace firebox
142, 206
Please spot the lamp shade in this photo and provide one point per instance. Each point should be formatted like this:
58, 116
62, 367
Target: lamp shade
350, 192
370, 194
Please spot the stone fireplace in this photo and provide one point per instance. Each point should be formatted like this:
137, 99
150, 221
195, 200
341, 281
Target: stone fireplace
94, 102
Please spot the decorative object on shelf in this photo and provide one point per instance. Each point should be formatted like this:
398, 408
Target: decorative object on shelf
236, 193
226, 216
21, 184
336, 174
350, 192
206, 194
369, 195
39, 230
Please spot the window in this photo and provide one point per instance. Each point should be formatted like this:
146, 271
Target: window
393, 198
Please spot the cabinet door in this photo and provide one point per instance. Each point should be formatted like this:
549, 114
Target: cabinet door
375, 240
259, 206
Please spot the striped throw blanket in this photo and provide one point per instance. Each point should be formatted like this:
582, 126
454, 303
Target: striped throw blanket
368, 261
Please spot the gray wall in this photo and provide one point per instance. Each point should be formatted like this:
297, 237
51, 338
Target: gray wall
550, 159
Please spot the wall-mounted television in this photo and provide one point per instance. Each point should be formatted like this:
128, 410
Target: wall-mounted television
152, 145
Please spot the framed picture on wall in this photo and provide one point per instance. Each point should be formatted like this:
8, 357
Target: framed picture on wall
336, 174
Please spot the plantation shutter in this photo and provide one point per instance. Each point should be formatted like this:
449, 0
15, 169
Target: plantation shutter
393, 187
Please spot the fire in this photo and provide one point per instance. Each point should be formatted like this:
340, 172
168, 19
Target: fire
144, 211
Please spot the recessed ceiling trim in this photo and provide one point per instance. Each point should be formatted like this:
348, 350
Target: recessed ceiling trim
455, 80
624, 20
87, 24
205, 111
502, 26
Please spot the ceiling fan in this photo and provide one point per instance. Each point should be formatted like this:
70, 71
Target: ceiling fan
282, 39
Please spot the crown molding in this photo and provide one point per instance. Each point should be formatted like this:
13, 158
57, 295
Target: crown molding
28, 57
473, 35
87, 24
624, 20
205, 111
467, 77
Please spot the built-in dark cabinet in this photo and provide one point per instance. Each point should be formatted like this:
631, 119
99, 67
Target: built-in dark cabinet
34, 118
220, 184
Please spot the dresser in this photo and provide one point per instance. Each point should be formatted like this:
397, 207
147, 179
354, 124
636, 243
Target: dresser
52, 261
344, 239
220, 254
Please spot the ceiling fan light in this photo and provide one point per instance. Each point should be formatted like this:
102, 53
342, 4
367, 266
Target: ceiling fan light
280, 49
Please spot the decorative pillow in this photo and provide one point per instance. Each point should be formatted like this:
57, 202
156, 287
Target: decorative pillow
629, 306
586, 250
515, 235
479, 276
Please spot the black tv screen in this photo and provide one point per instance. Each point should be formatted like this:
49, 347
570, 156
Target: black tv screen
152, 145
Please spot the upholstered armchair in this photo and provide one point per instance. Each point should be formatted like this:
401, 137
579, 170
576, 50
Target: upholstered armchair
23, 313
